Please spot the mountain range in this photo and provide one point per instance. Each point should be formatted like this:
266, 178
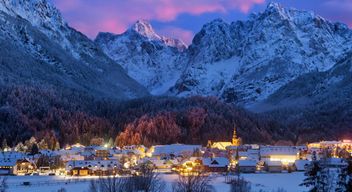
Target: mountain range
243, 62
285, 64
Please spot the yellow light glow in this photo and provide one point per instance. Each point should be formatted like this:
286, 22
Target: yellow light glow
284, 159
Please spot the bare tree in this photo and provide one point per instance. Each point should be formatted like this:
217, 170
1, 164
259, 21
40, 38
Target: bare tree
109, 184
195, 182
147, 180
239, 184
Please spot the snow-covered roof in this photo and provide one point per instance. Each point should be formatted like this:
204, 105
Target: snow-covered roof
12, 155
278, 150
68, 157
247, 163
158, 162
216, 162
176, 149
94, 164
49, 152
8, 162
95, 147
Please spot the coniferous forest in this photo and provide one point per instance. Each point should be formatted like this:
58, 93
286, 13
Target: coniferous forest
69, 117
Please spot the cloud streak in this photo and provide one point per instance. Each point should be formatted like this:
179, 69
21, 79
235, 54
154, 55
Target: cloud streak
93, 16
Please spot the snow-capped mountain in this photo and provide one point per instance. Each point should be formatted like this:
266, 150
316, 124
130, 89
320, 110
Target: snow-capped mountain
247, 61
153, 60
242, 62
38, 47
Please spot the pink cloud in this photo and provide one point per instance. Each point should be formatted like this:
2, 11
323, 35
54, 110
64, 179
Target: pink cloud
93, 16
245, 5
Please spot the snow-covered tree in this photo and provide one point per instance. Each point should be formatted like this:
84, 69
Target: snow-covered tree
344, 182
4, 145
316, 177
20, 147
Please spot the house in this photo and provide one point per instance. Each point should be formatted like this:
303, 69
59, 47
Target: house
16, 166
346, 144
10, 160
285, 154
252, 154
94, 167
95, 152
74, 157
216, 164
137, 149
172, 151
193, 164
25, 166
273, 166
102, 154
163, 165
8, 167
300, 165
247, 166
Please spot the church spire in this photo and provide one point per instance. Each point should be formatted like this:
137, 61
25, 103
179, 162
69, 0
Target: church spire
236, 141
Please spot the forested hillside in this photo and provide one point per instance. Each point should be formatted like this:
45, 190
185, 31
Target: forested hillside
70, 117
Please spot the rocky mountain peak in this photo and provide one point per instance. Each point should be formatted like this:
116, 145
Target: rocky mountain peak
144, 28
38, 12
274, 7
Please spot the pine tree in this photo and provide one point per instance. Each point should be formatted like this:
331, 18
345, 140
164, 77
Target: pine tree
4, 144
111, 142
345, 178
341, 184
34, 149
20, 147
349, 183
316, 178
57, 146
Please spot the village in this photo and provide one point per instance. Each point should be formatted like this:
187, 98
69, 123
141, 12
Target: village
216, 157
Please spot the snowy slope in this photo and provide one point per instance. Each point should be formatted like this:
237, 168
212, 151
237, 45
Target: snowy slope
263, 54
39, 48
333, 86
154, 61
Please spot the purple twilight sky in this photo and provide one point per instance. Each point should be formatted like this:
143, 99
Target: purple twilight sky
181, 18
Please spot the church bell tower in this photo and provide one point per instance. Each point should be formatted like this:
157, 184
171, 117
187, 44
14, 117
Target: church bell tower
236, 141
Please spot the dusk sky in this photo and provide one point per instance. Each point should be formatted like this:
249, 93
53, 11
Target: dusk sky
180, 18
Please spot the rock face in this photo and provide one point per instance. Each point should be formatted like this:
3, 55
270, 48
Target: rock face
154, 61
39, 48
247, 61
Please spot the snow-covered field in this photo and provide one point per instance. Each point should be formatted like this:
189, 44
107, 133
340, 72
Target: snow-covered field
265, 182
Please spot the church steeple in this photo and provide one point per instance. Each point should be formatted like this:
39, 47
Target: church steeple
236, 141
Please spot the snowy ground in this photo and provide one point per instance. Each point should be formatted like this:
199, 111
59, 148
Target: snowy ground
265, 182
